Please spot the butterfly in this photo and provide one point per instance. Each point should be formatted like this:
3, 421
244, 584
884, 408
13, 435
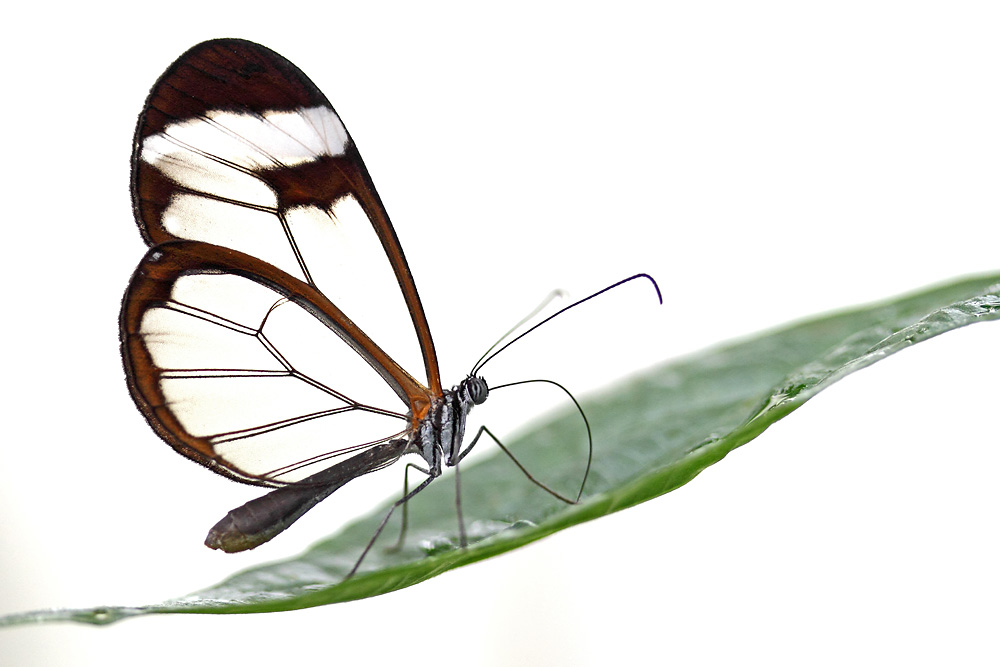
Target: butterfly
262, 222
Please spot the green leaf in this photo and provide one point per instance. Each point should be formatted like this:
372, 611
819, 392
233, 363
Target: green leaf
652, 434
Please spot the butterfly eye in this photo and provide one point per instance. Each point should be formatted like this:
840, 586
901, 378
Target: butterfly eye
478, 390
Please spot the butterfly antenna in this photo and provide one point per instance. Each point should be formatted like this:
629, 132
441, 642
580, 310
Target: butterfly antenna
554, 294
486, 357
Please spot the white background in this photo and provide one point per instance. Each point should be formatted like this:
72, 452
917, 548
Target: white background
765, 161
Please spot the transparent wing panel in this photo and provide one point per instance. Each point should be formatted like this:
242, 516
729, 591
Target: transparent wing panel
348, 264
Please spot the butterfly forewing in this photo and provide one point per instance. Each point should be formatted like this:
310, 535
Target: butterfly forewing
238, 148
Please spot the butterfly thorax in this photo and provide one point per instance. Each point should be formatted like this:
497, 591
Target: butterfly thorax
440, 434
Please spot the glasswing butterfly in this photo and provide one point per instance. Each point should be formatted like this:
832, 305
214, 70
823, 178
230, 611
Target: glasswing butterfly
262, 221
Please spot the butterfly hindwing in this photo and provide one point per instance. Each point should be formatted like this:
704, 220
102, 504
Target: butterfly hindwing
243, 368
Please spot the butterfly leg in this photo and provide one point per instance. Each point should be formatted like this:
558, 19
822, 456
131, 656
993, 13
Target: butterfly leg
406, 486
462, 540
402, 501
484, 429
